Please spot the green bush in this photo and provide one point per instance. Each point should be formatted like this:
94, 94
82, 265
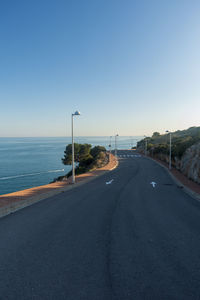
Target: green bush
181, 141
84, 155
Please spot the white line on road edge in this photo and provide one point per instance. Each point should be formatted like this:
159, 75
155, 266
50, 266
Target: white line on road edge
153, 184
109, 182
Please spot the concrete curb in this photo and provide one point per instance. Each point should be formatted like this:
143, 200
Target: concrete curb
187, 190
17, 205
117, 163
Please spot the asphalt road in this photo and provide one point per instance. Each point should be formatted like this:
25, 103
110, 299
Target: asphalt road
116, 241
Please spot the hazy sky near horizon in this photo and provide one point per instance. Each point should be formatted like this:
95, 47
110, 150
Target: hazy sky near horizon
130, 67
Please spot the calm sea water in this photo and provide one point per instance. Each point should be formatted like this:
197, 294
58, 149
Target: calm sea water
30, 162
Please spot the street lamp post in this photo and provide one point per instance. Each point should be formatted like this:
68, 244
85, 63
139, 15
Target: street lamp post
110, 144
145, 145
77, 113
116, 144
170, 149
131, 138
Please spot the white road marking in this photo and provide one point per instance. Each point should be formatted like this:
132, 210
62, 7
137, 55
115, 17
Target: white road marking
153, 184
109, 182
127, 155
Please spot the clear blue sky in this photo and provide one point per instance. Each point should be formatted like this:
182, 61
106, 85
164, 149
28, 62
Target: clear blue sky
130, 67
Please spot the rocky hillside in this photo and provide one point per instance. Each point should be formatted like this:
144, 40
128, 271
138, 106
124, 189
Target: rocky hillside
190, 163
185, 150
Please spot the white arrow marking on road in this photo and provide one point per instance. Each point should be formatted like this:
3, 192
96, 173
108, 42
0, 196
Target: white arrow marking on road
153, 184
109, 182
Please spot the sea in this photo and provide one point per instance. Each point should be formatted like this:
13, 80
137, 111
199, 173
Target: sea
30, 162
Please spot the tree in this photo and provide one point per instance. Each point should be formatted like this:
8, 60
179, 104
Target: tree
67, 159
81, 151
84, 155
84, 151
155, 134
95, 151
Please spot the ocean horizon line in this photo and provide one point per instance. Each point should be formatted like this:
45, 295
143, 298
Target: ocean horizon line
67, 136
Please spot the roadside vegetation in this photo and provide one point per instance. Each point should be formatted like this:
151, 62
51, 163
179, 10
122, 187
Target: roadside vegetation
86, 158
158, 144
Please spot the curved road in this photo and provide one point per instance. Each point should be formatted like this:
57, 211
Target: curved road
122, 240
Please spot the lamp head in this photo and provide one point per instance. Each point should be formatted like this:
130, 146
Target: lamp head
77, 113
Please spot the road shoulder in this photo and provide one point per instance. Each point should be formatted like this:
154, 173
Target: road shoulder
188, 186
12, 202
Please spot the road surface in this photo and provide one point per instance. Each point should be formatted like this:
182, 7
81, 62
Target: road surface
117, 237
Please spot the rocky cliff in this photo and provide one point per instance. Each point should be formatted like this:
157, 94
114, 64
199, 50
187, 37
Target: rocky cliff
185, 150
190, 163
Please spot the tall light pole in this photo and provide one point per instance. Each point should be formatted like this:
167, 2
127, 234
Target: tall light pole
77, 113
132, 141
145, 145
110, 144
170, 149
131, 138
116, 144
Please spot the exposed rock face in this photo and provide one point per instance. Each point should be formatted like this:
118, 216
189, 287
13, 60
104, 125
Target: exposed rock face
190, 163
177, 163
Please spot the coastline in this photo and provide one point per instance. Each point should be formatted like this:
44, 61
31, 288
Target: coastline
23, 157
12, 202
